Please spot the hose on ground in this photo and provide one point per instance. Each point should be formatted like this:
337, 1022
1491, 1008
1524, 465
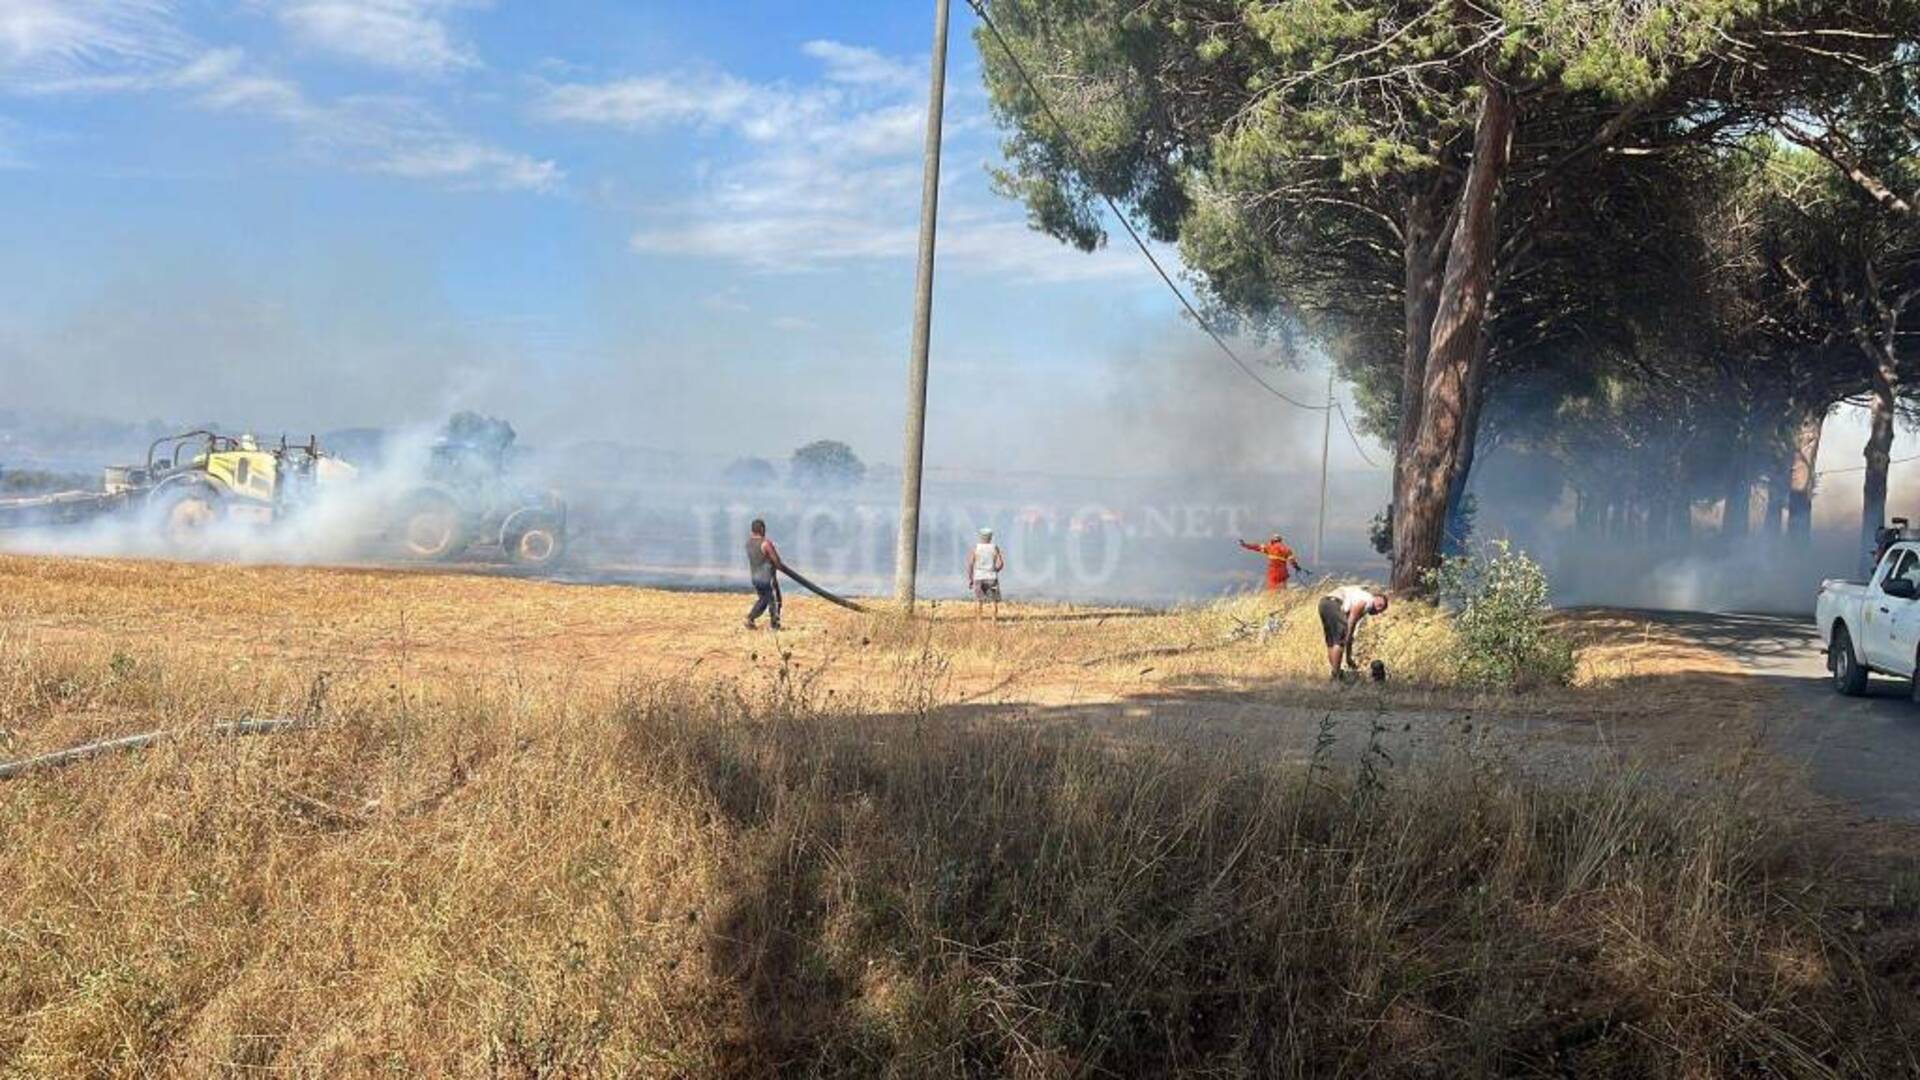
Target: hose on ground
60, 758
816, 590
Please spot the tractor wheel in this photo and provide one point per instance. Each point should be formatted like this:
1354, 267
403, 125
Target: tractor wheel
431, 528
533, 538
186, 514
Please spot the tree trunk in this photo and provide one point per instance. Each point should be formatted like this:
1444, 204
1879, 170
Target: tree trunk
1800, 476
1456, 540
1588, 513
1420, 504
1873, 498
1737, 510
1424, 254
1659, 519
1773, 503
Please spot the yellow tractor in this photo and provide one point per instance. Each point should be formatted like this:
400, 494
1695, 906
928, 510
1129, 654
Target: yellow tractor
194, 482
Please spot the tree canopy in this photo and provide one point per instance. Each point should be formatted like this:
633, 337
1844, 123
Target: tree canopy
1582, 204
827, 464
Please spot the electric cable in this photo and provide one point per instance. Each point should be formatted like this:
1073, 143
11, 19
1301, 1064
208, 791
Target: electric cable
1863, 468
1348, 424
1080, 160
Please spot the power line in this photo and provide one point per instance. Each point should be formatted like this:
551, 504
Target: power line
1345, 423
980, 9
1863, 468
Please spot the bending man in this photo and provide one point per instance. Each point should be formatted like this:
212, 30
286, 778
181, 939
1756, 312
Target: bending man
1341, 612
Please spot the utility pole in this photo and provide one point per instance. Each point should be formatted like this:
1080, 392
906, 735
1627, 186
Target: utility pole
1326, 441
907, 558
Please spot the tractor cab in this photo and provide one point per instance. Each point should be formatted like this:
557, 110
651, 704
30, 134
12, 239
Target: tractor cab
250, 477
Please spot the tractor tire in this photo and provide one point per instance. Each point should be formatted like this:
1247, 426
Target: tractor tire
431, 527
1849, 675
533, 538
185, 515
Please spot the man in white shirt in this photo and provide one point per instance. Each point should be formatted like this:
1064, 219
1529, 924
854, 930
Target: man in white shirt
1340, 614
984, 564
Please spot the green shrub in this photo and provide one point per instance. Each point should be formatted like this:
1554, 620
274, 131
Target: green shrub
1499, 597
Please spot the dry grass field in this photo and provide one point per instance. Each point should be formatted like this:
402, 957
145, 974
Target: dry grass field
531, 829
279, 631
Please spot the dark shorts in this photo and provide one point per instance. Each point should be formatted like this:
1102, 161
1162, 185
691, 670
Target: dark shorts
986, 590
1333, 620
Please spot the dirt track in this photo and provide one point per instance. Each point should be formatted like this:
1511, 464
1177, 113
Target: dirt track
1863, 753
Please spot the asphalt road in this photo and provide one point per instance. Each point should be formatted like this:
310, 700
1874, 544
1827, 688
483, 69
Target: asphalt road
1863, 752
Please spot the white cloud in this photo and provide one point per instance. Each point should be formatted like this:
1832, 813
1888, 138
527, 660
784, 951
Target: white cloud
828, 172
661, 101
400, 35
809, 242
74, 47
862, 66
396, 136
78, 45
466, 162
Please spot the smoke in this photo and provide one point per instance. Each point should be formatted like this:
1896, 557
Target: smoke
1122, 471
1133, 481
1748, 574
1122, 463
269, 345
1528, 499
341, 513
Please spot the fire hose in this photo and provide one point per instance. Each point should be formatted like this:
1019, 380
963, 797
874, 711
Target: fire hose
801, 580
60, 758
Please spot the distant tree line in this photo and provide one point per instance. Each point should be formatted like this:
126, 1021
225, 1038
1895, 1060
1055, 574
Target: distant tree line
822, 465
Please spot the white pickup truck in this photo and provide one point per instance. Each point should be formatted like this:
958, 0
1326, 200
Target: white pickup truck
1874, 628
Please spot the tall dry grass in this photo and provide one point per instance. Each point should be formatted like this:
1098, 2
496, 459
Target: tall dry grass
1252, 635
777, 874
300, 621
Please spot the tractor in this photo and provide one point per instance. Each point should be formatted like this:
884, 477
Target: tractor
200, 479
467, 499
197, 481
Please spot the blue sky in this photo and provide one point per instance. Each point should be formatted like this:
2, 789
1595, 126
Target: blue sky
683, 225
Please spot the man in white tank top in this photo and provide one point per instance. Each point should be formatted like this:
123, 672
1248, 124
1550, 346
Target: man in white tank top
984, 564
1340, 614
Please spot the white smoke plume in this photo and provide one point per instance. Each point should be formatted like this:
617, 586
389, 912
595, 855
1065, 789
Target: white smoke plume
347, 514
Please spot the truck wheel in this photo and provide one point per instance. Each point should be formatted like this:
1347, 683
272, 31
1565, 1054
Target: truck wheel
1849, 677
533, 538
431, 528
